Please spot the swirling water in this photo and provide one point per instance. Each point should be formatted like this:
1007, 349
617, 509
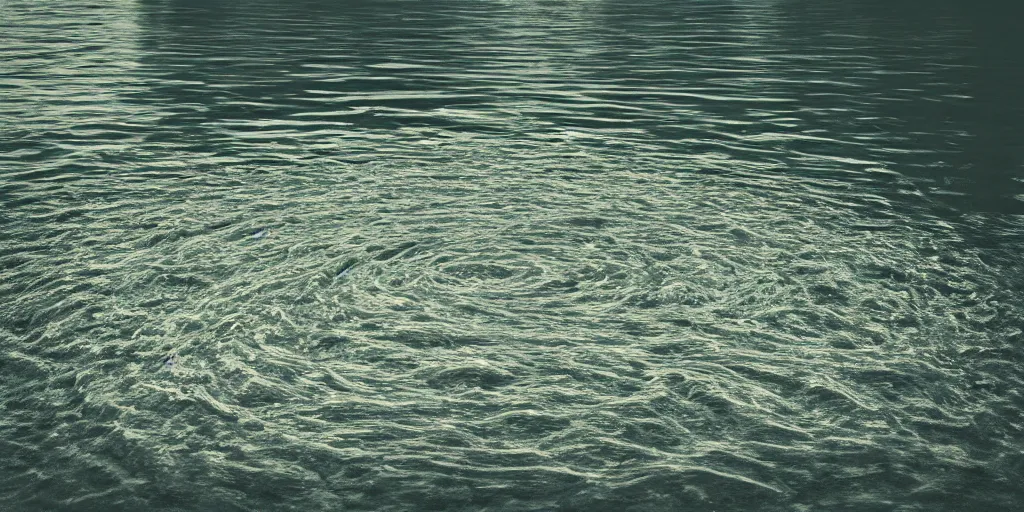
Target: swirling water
509, 255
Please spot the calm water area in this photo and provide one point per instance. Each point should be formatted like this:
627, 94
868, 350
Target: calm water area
511, 255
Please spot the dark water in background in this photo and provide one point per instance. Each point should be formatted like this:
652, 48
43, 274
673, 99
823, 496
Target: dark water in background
510, 255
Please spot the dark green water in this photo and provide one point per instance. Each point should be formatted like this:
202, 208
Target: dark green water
510, 256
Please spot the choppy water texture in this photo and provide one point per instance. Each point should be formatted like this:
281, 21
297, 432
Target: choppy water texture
510, 255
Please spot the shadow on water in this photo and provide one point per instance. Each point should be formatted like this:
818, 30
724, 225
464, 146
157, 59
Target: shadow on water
271, 60
926, 93
947, 74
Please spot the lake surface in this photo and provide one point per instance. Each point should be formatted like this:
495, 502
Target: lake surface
510, 255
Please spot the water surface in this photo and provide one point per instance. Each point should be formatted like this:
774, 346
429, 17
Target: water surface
509, 255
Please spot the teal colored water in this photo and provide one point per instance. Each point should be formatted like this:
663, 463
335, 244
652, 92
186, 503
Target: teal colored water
510, 255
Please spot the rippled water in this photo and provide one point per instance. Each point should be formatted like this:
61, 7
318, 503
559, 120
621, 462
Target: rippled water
509, 255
